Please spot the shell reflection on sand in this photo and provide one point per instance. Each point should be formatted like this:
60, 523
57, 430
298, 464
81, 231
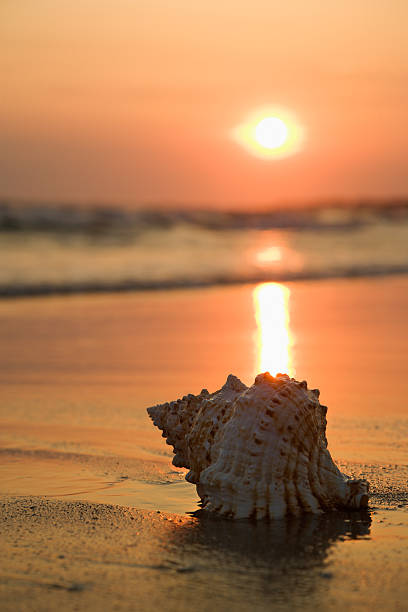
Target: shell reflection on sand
273, 336
302, 542
279, 565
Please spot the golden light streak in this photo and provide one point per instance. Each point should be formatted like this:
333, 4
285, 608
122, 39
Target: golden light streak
270, 133
273, 337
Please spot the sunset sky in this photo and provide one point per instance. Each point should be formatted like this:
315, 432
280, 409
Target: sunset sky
136, 101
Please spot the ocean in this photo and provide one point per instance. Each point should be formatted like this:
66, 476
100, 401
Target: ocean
47, 249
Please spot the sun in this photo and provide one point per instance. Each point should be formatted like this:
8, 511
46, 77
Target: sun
270, 133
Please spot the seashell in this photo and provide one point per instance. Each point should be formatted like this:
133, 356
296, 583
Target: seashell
258, 451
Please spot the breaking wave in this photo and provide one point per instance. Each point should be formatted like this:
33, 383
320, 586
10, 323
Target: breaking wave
48, 250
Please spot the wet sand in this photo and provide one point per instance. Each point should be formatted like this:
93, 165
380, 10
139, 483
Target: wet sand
81, 556
83, 473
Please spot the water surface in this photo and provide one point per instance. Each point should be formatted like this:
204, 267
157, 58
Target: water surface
76, 376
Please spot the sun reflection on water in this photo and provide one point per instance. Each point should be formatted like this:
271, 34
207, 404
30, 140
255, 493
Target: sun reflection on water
273, 336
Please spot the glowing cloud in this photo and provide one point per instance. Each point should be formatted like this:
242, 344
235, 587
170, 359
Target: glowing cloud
270, 133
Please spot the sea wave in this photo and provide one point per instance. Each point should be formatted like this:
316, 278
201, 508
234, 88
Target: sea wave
47, 250
44, 289
97, 220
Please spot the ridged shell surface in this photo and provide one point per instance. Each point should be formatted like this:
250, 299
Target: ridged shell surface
258, 451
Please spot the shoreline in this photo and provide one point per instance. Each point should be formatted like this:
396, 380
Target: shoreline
46, 290
152, 485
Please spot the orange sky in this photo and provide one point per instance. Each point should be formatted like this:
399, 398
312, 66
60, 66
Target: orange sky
133, 101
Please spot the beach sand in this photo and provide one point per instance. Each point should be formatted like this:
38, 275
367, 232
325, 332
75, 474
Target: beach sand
93, 514
82, 556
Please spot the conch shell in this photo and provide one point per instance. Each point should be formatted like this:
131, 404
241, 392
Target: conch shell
258, 451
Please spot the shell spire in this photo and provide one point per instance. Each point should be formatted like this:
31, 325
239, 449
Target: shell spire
258, 451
